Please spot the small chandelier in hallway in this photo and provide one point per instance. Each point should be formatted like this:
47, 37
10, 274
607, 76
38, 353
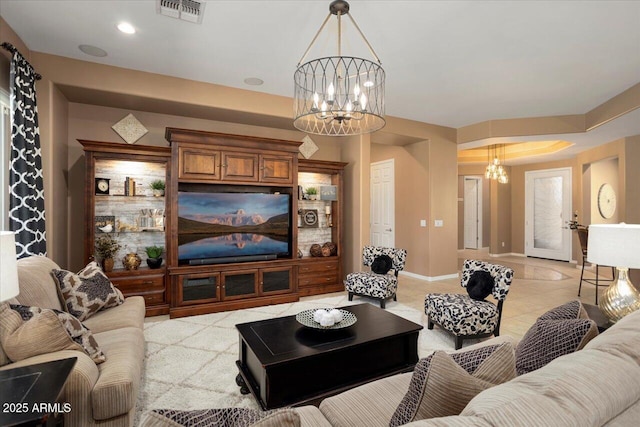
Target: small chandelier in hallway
494, 169
339, 95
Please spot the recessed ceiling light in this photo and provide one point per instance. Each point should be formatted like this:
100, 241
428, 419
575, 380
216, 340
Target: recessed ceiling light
126, 28
253, 81
92, 50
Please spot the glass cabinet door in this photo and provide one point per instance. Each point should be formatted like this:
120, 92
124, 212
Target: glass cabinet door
239, 284
276, 280
199, 288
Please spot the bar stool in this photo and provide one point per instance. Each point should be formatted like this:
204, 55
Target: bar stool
583, 236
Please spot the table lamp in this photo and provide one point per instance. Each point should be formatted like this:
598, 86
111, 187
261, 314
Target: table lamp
616, 245
8, 266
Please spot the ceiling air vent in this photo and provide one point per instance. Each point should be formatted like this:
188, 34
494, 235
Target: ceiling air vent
187, 10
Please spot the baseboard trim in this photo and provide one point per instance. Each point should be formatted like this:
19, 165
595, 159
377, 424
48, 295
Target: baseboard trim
429, 278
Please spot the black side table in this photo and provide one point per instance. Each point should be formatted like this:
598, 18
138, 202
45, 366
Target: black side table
29, 394
598, 316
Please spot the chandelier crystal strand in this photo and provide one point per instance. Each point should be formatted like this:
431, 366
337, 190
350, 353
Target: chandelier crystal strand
339, 95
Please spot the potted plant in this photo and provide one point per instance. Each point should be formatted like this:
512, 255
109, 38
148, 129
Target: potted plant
106, 248
312, 193
154, 254
157, 186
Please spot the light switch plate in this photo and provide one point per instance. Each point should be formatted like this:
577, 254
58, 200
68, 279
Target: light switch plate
438, 223
423, 223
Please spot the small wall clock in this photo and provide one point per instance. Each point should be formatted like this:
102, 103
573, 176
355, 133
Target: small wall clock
102, 186
606, 201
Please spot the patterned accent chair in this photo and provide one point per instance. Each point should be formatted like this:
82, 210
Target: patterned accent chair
380, 286
465, 317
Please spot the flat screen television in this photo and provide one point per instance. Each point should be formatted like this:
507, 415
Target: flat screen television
227, 226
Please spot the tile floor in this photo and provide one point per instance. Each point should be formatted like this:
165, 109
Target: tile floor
538, 286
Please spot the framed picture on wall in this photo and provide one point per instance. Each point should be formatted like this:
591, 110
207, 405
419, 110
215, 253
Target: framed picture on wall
328, 192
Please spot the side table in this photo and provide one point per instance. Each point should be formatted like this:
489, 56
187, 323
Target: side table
29, 394
597, 316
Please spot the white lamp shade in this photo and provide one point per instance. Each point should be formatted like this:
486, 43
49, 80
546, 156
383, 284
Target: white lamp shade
616, 245
8, 267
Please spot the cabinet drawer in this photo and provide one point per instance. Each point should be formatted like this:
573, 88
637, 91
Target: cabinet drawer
139, 285
317, 279
318, 267
152, 298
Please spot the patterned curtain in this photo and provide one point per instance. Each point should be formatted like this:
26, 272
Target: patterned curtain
26, 193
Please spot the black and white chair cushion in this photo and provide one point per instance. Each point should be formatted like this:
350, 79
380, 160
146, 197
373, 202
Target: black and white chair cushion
465, 317
380, 286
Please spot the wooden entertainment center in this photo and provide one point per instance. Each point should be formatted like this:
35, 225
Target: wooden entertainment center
200, 161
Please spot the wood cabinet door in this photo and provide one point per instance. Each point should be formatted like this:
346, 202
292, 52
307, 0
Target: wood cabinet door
239, 167
200, 164
276, 169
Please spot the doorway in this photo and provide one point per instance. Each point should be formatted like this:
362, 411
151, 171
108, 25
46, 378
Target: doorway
383, 204
547, 210
472, 212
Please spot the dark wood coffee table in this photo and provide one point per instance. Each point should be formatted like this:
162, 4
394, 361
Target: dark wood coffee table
283, 363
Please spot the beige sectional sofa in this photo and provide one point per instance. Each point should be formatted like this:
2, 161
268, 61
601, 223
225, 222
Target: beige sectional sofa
103, 394
596, 386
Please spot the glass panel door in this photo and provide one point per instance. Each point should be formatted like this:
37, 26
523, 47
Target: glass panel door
548, 208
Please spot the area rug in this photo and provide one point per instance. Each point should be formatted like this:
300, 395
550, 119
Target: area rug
190, 361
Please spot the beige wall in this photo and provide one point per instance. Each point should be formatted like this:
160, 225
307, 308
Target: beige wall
443, 205
425, 189
99, 95
8, 35
70, 87
356, 151
53, 143
601, 172
94, 123
474, 170
411, 200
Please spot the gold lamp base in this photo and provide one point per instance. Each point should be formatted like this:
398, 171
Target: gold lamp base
620, 298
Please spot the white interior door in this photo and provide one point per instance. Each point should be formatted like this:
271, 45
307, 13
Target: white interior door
383, 204
547, 208
472, 212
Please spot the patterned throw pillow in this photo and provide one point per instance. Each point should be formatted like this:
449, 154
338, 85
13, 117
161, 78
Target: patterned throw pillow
570, 310
30, 331
480, 285
88, 291
223, 417
443, 384
549, 339
382, 264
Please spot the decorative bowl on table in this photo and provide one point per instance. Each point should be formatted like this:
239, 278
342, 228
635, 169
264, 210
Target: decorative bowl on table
341, 319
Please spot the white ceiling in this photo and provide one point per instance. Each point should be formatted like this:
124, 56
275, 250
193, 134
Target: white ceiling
452, 63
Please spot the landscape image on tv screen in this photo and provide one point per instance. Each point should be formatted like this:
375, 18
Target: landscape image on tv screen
214, 225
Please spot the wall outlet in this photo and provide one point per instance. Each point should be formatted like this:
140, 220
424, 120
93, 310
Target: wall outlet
423, 223
438, 223
503, 244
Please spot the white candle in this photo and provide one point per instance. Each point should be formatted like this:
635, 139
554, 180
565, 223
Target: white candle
327, 210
